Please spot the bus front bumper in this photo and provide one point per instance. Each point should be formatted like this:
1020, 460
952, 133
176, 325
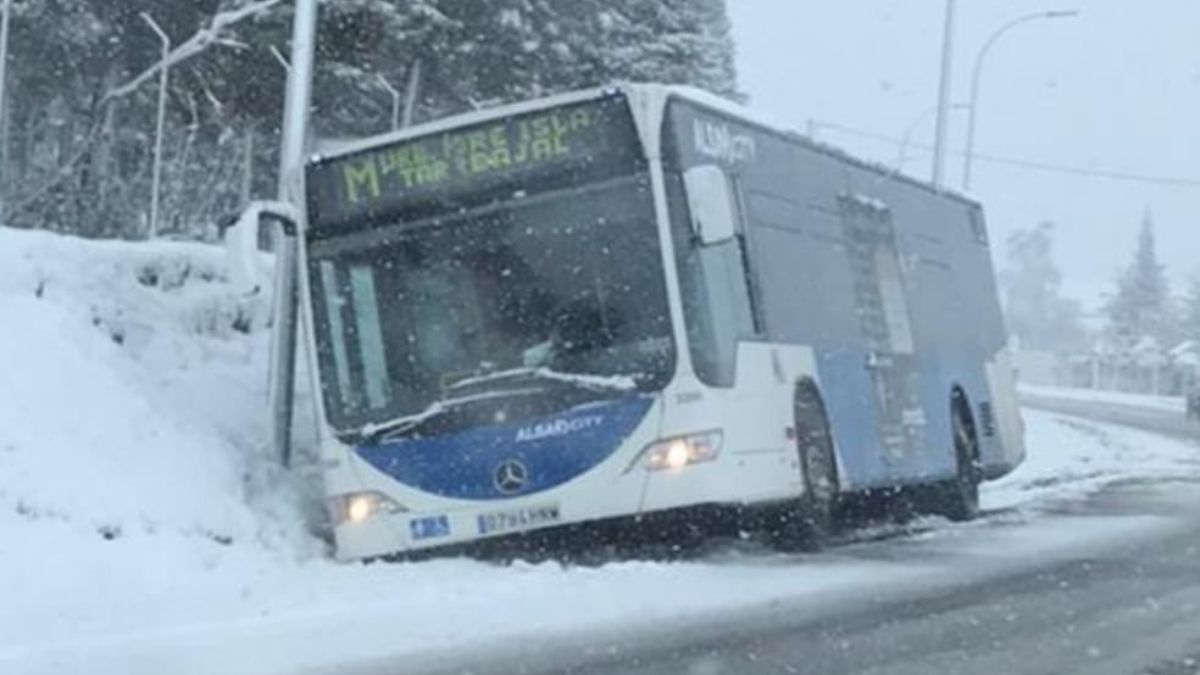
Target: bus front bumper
692, 498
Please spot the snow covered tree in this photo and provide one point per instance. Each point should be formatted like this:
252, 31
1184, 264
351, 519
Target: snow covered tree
482, 52
79, 158
1038, 317
673, 41
1141, 306
58, 54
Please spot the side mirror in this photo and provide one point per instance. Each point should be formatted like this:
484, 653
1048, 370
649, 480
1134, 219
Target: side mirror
710, 202
242, 236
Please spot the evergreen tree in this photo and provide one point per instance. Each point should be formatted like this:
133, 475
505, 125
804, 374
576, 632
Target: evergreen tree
1141, 306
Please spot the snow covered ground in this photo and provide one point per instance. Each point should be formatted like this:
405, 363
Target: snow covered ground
1071, 458
144, 529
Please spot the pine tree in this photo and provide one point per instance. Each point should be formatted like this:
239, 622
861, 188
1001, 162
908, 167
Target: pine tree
1141, 307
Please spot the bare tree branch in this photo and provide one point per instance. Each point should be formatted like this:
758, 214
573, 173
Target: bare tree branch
200, 41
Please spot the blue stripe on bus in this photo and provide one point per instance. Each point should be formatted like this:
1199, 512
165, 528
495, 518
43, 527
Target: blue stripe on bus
550, 451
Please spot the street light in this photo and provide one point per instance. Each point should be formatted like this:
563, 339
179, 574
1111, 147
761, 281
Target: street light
281, 59
906, 139
395, 94
978, 71
162, 114
294, 130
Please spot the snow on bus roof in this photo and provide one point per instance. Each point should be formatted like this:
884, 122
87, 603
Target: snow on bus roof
334, 148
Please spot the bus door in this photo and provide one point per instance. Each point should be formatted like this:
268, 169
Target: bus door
881, 304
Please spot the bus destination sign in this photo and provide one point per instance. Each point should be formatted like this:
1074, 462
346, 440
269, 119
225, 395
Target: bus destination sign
586, 141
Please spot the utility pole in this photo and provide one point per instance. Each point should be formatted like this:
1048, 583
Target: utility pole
156, 182
248, 166
410, 99
943, 106
298, 99
4, 111
291, 160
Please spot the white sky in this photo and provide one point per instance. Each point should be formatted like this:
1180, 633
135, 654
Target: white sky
1117, 88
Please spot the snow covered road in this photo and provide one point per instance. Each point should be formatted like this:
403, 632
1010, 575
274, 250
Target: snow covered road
1160, 414
1111, 588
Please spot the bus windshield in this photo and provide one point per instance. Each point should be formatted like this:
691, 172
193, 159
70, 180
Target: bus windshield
570, 281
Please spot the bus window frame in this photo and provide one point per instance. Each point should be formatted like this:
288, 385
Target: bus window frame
746, 244
688, 252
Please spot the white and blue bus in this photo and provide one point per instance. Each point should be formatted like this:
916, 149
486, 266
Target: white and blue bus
639, 301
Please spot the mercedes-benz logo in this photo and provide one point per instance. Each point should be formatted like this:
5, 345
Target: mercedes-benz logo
510, 476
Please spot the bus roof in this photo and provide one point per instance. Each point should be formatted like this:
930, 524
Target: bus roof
775, 126
334, 149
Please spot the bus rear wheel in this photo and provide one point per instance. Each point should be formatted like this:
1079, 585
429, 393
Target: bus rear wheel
809, 522
958, 499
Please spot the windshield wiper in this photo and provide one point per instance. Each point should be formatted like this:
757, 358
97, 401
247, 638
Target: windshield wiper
373, 432
580, 380
477, 388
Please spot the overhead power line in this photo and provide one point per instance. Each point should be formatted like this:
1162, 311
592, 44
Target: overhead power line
1032, 164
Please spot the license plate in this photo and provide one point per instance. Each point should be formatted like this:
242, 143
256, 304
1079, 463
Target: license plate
517, 519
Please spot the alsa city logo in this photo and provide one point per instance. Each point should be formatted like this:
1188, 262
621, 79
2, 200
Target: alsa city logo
560, 427
717, 141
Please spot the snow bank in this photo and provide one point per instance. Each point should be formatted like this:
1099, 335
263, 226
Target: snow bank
1071, 458
143, 530
131, 454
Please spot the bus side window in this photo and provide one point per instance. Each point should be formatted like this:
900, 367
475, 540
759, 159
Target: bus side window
716, 295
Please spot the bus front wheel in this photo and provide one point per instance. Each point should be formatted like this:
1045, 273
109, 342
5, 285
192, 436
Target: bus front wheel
807, 523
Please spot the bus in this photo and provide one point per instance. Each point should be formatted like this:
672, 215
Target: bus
636, 302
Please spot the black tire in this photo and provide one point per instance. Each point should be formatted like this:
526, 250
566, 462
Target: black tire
808, 523
958, 499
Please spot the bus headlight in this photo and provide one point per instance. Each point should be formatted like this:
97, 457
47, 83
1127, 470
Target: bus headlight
356, 507
672, 454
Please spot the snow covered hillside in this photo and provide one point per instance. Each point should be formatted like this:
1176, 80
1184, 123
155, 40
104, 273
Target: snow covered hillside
131, 453
143, 528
